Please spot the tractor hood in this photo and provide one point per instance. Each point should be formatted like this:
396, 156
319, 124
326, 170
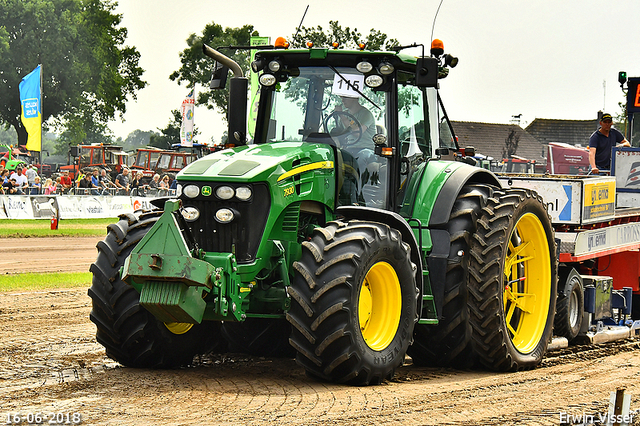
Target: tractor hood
273, 162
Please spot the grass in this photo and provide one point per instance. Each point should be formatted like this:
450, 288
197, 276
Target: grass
32, 282
10, 228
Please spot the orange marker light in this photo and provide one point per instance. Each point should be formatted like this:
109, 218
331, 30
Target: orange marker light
335, 44
387, 151
309, 44
361, 46
437, 44
281, 42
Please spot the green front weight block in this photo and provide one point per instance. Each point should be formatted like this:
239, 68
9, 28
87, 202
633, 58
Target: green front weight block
171, 281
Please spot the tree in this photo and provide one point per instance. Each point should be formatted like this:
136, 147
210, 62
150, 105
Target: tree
510, 144
346, 37
197, 68
88, 73
170, 134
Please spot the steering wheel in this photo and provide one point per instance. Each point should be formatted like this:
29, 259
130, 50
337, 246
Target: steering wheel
349, 136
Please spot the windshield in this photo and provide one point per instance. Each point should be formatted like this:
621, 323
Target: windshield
326, 101
333, 105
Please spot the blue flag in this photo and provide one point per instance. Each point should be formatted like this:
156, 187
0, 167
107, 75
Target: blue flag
30, 98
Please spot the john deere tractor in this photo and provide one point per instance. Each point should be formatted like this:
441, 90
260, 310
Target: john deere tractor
347, 230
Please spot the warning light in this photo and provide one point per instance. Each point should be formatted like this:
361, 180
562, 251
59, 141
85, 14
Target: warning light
361, 46
281, 43
309, 44
437, 47
335, 44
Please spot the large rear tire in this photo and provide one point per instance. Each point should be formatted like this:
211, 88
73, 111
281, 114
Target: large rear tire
449, 343
129, 333
354, 302
513, 281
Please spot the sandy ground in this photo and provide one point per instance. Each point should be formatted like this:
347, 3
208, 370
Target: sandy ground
49, 254
51, 363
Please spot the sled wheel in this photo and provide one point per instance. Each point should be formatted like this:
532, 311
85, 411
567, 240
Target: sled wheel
449, 343
354, 300
129, 333
513, 281
570, 309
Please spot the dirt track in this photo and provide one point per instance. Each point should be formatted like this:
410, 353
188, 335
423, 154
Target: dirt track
50, 362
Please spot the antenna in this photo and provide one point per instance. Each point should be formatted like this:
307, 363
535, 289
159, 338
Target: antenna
300, 25
434, 22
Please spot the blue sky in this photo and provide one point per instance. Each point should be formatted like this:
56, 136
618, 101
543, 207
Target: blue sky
541, 59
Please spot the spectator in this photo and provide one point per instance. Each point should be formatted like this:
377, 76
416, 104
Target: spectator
95, 179
105, 182
4, 175
31, 174
137, 185
174, 184
85, 184
66, 182
59, 188
155, 182
36, 187
164, 184
122, 182
10, 187
49, 187
21, 181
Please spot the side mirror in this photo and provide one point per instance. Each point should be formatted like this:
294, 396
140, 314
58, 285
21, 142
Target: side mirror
219, 77
427, 72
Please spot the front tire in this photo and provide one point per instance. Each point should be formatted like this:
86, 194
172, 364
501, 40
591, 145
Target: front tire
513, 281
130, 334
354, 302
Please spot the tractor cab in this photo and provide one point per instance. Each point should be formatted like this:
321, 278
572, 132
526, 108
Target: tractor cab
380, 111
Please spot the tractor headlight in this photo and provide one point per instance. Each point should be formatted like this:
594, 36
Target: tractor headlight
243, 193
190, 214
225, 192
191, 191
224, 215
385, 68
178, 190
267, 79
274, 66
374, 80
364, 67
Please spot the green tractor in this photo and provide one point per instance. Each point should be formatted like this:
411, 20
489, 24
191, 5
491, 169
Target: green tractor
348, 231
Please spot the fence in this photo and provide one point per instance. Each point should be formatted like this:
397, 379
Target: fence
70, 206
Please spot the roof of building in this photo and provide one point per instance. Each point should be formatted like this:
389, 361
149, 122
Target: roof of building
489, 139
573, 132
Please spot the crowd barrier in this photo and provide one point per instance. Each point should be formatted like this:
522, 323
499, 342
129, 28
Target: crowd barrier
70, 206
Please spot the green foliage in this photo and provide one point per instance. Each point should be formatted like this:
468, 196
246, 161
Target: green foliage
88, 73
136, 139
347, 38
170, 134
197, 68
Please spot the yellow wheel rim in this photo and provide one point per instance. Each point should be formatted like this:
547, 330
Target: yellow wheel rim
527, 291
178, 327
380, 306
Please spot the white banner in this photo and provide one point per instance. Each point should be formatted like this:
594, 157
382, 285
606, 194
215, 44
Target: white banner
186, 129
69, 206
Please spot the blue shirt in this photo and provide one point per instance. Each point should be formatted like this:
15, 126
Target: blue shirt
95, 181
603, 145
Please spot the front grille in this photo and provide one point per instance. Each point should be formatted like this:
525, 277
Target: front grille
244, 232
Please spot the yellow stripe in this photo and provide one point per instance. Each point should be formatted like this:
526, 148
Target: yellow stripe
306, 168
